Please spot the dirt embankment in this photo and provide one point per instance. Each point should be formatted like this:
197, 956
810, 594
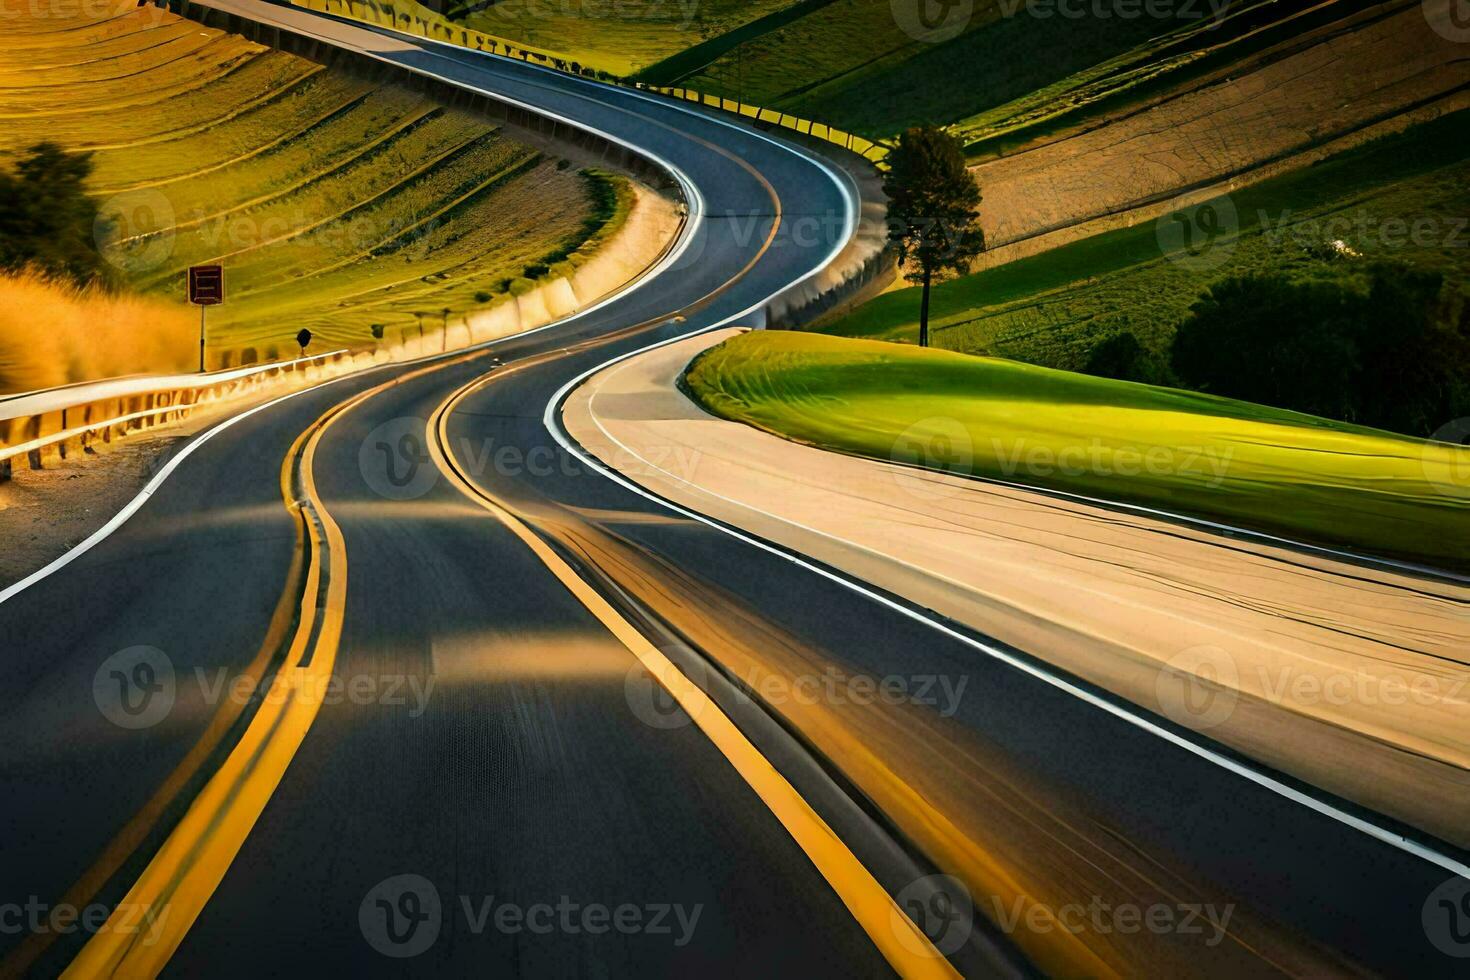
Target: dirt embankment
1279, 110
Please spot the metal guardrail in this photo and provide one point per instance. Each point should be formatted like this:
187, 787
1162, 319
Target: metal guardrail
371, 12
51, 432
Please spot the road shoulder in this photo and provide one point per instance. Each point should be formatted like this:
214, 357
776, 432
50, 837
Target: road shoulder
1341, 676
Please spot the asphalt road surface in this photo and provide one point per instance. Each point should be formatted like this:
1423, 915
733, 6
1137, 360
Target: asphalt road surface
369, 684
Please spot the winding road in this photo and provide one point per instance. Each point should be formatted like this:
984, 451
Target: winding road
386, 676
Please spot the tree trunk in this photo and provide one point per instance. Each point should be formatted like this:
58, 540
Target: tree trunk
924, 311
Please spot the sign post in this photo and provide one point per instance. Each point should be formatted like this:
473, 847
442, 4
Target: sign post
206, 289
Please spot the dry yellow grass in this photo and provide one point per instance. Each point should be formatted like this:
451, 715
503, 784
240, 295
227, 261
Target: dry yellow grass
54, 334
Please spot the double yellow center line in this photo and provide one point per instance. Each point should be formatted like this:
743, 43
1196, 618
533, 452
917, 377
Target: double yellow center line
906, 948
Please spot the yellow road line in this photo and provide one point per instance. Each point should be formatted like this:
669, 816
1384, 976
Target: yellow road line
901, 942
193, 860
137, 829
183, 875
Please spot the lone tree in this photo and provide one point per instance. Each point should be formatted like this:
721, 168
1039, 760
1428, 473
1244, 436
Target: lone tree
933, 210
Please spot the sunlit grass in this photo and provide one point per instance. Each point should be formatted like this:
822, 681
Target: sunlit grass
346, 206
1281, 472
52, 334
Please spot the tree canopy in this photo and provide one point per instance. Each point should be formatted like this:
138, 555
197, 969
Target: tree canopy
47, 221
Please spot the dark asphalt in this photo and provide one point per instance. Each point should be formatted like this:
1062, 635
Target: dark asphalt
529, 775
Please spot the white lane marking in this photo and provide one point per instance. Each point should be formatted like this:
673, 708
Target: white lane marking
1263, 779
132, 506
697, 217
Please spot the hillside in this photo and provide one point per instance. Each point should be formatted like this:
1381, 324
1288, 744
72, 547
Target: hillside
1402, 198
349, 207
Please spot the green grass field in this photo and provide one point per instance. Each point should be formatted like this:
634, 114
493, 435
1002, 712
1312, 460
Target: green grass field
1052, 308
1012, 70
335, 204
1292, 475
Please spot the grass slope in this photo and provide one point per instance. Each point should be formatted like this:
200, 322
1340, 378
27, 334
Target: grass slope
1016, 69
335, 203
1053, 308
1280, 472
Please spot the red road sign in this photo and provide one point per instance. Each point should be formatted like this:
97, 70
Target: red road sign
206, 285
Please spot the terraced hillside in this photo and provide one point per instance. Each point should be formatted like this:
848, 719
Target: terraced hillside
1404, 198
349, 207
1073, 114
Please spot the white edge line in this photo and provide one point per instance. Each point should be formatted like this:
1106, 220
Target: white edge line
1371, 829
696, 218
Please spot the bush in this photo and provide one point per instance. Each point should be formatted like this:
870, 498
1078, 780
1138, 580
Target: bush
1386, 347
1122, 358
47, 222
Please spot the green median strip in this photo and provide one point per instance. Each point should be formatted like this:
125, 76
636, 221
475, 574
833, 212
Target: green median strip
1279, 472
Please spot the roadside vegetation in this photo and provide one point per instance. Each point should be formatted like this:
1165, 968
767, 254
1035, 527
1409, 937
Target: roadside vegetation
357, 210
1321, 237
1008, 68
1281, 472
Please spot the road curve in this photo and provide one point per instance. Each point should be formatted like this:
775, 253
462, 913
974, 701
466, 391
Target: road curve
494, 744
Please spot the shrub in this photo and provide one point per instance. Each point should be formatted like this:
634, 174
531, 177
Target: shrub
1387, 346
1123, 358
47, 221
